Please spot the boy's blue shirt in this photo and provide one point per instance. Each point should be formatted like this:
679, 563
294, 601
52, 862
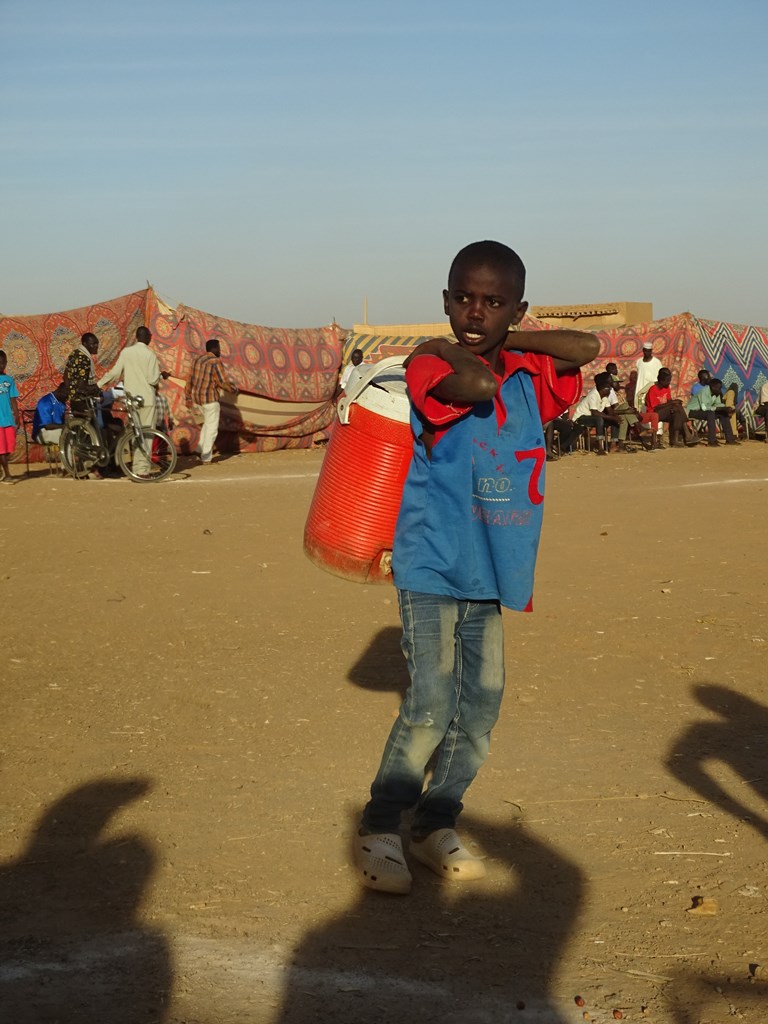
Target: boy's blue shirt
470, 519
7, 392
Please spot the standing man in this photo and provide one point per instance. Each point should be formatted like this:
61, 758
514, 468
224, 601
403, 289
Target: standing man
647, 374
351, 371
204, 386
139, 370
80, 374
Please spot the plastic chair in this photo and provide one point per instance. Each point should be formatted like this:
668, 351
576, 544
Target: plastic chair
51, 448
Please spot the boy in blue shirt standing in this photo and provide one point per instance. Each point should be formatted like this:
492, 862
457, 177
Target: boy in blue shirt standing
9, 418
465, 544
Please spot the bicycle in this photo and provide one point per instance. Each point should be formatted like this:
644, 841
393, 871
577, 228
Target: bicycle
143, 454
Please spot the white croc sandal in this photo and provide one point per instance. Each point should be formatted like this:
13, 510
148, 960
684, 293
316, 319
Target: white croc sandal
381, 863
446, 855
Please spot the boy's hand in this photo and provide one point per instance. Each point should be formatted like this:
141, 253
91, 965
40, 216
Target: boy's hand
432, 347
568, 349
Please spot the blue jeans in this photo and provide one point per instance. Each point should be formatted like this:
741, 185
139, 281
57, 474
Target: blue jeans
455, 653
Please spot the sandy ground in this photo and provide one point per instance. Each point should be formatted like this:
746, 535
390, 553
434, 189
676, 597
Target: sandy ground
192, 713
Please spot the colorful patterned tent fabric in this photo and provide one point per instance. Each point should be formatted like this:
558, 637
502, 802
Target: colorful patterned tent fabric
675, 342
38, 346
294, 374
288, 377
735, 353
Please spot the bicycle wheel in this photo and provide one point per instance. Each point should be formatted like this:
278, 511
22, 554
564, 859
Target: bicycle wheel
153, 461
80, 448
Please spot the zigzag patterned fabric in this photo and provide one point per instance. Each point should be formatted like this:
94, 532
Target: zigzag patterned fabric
737, 354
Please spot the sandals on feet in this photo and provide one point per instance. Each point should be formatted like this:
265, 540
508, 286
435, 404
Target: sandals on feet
446, 855
381, 863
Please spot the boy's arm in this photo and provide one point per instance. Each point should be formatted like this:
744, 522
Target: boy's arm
569, 349
15, 410
471, 380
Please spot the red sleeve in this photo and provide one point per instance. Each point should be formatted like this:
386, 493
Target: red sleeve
423, 374
652, 398
553, 393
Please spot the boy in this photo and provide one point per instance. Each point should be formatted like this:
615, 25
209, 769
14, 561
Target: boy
9, 417
465, 544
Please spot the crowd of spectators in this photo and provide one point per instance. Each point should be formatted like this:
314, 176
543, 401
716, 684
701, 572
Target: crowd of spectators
626, 416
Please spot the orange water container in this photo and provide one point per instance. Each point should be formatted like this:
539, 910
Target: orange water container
351, 521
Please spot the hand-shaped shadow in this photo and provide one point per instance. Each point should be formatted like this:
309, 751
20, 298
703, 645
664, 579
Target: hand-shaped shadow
737, 739
74, 949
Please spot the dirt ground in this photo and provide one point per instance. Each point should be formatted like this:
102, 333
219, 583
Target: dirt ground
192, 714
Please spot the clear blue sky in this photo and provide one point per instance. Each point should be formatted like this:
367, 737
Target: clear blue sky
276, 162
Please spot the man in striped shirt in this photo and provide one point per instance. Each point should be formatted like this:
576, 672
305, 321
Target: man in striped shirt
204, 386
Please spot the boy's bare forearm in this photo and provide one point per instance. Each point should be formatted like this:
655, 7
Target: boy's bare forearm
570, 349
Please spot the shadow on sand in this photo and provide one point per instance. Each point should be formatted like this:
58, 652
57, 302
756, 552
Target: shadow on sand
74, 950
382, 666
738, 740
457, 954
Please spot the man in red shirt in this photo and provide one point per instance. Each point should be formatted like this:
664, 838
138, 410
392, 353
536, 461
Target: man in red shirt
670, 410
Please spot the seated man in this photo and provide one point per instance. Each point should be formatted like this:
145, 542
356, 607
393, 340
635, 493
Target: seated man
704, 379
567, 435
594, 409
708, 405
629, 419
49, 416
670, 410
648, 420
